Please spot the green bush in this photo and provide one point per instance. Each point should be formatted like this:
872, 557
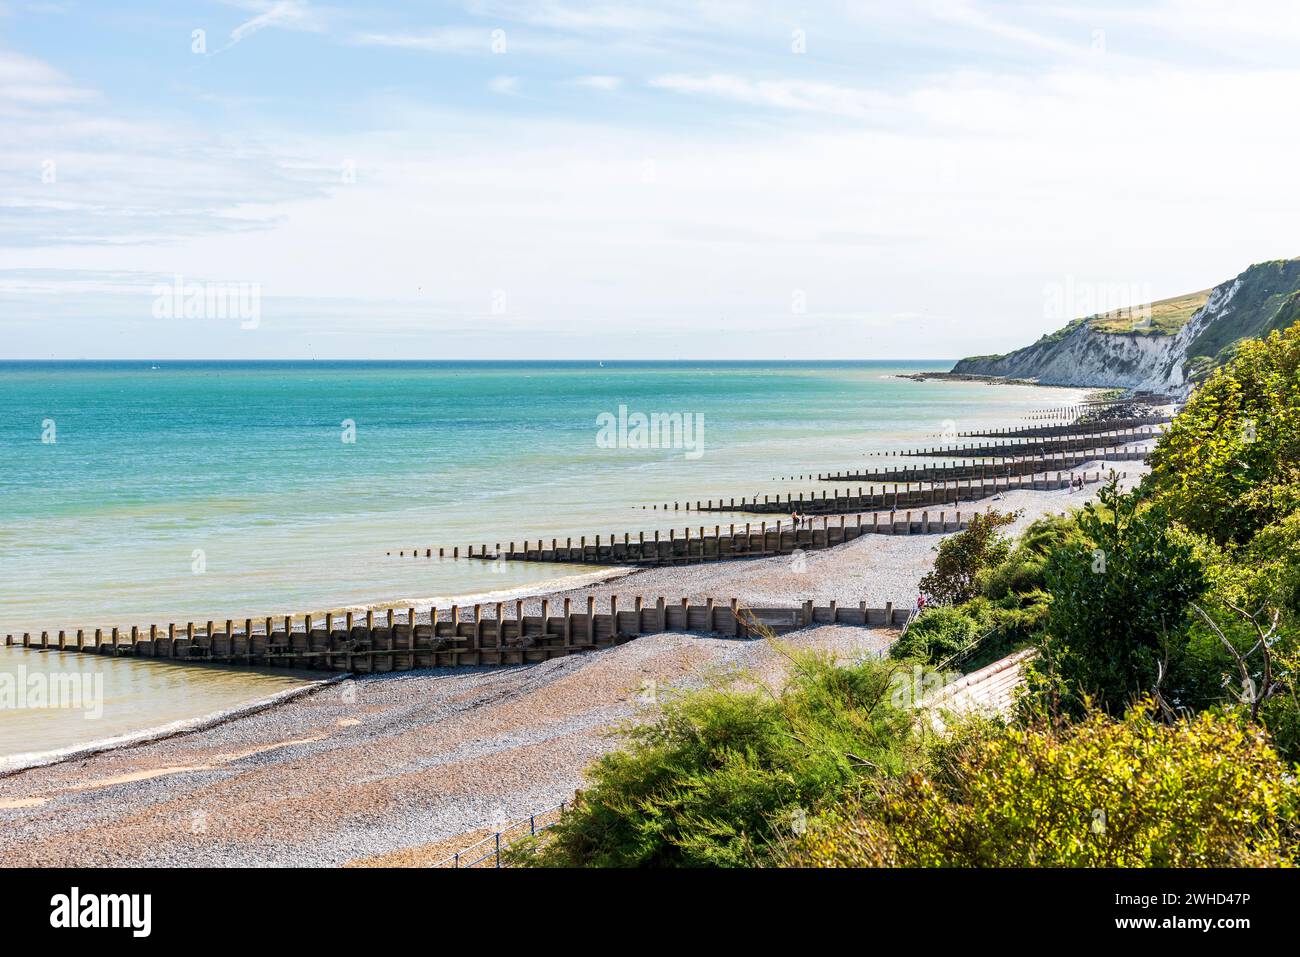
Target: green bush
1024, 570
962, 557
1229, 464
936, 635
1120, 609
724, 772
1205, 792
1272, 562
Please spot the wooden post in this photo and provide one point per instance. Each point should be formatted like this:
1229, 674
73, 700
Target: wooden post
661, 615
636, 606
568, 625
591, 620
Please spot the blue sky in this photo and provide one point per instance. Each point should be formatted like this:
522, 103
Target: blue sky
621, 180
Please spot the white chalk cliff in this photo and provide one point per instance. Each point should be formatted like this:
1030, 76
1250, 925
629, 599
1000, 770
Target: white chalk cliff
1264, 297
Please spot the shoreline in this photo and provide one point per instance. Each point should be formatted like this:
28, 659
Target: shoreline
896, 563
12, 764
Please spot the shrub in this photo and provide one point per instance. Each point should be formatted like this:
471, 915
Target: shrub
963, 556
1102, 793
936, 635
724, 771
1230, 462
1273, 564
1119, 610
1024, 570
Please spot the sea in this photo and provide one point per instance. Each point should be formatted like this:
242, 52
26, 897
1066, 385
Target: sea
137, 493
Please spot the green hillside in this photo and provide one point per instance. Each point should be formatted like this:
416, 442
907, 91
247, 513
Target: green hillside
1266, 297
1161, 318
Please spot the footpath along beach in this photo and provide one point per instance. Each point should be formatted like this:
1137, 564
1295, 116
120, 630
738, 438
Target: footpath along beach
406, 768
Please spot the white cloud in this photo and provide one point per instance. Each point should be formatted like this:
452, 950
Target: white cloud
790, 94
450, 40
505, 85
921, 214
603, 82
285, 14
26, 80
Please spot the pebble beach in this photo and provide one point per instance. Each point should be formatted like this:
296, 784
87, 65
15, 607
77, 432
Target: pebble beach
403, 769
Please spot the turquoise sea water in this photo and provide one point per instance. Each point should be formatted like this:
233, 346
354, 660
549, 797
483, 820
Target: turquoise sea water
50, 701
132, 494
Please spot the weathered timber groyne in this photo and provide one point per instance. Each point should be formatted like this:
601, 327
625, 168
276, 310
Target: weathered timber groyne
1016, 448
753, 540
886, 500
1076, 428
466, 637
1002, 468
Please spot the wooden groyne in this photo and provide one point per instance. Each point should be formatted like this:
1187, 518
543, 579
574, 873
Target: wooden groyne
396, 641
691, 547
925, 495
980, 470
1016, 448
1075, 428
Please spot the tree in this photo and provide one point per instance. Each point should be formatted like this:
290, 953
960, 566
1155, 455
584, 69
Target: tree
1230, 462
963, 556
1117, 623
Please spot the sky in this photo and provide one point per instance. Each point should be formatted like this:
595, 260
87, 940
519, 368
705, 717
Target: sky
505, 179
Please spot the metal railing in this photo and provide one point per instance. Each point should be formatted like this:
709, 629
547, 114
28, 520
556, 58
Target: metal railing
476, 856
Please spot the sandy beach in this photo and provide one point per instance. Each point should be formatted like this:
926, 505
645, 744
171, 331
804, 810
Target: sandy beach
404, 768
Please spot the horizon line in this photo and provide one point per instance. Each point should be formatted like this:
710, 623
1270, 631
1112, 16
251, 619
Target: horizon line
454, 359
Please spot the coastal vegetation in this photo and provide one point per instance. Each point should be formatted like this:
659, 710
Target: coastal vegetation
726, 773
1158, 725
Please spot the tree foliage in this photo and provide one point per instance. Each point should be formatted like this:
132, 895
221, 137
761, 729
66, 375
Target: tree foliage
963, 556
1119, 613
1230, 462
